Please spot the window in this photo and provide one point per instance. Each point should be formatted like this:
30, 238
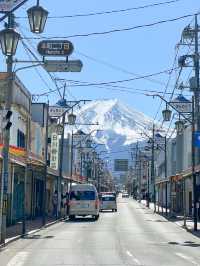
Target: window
20, 139
82, 195
108, 198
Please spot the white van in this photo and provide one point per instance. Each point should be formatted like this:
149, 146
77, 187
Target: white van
83, 201
108, 202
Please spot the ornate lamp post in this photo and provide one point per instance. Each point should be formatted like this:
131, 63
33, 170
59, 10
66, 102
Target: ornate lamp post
167, 114
9, 39
71, 119
179, 125
37, 16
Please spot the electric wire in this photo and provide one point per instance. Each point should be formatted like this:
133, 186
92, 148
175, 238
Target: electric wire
111, 11
37, 59
36, 70
86, 84
167, 85
116, 67
117, 30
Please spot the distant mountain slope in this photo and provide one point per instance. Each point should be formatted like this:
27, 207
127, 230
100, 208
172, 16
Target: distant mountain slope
121, 125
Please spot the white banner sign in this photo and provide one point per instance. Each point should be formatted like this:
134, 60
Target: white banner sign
55, 111
182, 107
8, 5
63, 66
54, 151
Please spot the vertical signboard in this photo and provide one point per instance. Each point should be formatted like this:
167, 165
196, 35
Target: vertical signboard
54, 151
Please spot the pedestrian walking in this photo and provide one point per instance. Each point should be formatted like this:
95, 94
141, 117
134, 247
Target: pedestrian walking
67, 203
55, 203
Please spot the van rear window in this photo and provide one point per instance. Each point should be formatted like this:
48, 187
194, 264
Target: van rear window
82, 195
108, 198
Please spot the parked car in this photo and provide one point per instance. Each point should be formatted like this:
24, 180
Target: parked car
108, 202
125, 195
83, 201
107, 193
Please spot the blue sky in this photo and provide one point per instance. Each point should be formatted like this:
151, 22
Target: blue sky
114, 56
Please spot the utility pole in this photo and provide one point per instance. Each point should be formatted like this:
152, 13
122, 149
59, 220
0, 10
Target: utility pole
140, 176
81, 166
152, 167
98, 177
193, 167
71, 166
136, 161
148, 183
166, 189
6, 143
197, 101
61, 161
26, 175
45, 167
60, 166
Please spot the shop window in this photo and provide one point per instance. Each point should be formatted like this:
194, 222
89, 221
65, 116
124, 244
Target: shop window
20, 139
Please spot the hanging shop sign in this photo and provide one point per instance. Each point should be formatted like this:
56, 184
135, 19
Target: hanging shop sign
182, 107
56, 111
55, 48
54, 151
63, 66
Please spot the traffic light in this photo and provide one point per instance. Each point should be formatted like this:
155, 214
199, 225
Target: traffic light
6, 119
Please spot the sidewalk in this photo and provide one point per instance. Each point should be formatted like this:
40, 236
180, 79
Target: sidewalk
14, 231
179, 220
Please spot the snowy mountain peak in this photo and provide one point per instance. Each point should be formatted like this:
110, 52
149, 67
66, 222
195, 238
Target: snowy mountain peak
121, 124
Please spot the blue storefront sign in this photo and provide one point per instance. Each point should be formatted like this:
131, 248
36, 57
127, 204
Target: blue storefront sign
197, 139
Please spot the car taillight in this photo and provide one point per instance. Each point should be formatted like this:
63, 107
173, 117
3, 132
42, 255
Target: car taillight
96, 204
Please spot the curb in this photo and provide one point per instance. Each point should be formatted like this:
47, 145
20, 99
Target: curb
185, 228
15, 238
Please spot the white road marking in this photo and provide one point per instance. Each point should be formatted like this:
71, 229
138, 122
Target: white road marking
190, 259
134, 259
19, 259
129, 253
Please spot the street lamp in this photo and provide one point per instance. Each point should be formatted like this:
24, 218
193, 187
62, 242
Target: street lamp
37, 16
179, 125
89, 143
167, 114
9, 39
71, 119
188, 33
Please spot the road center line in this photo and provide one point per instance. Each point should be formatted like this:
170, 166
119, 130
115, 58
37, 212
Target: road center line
134, 259
190, 259
19, 259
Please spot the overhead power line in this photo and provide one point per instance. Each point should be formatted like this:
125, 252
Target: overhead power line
116, 30
112, 11
167, 84
86, 84
116, 67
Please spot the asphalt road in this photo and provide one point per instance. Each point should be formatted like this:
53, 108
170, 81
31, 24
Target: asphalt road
132, 236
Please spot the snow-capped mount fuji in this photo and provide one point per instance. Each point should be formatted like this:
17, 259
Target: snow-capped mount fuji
121, 124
